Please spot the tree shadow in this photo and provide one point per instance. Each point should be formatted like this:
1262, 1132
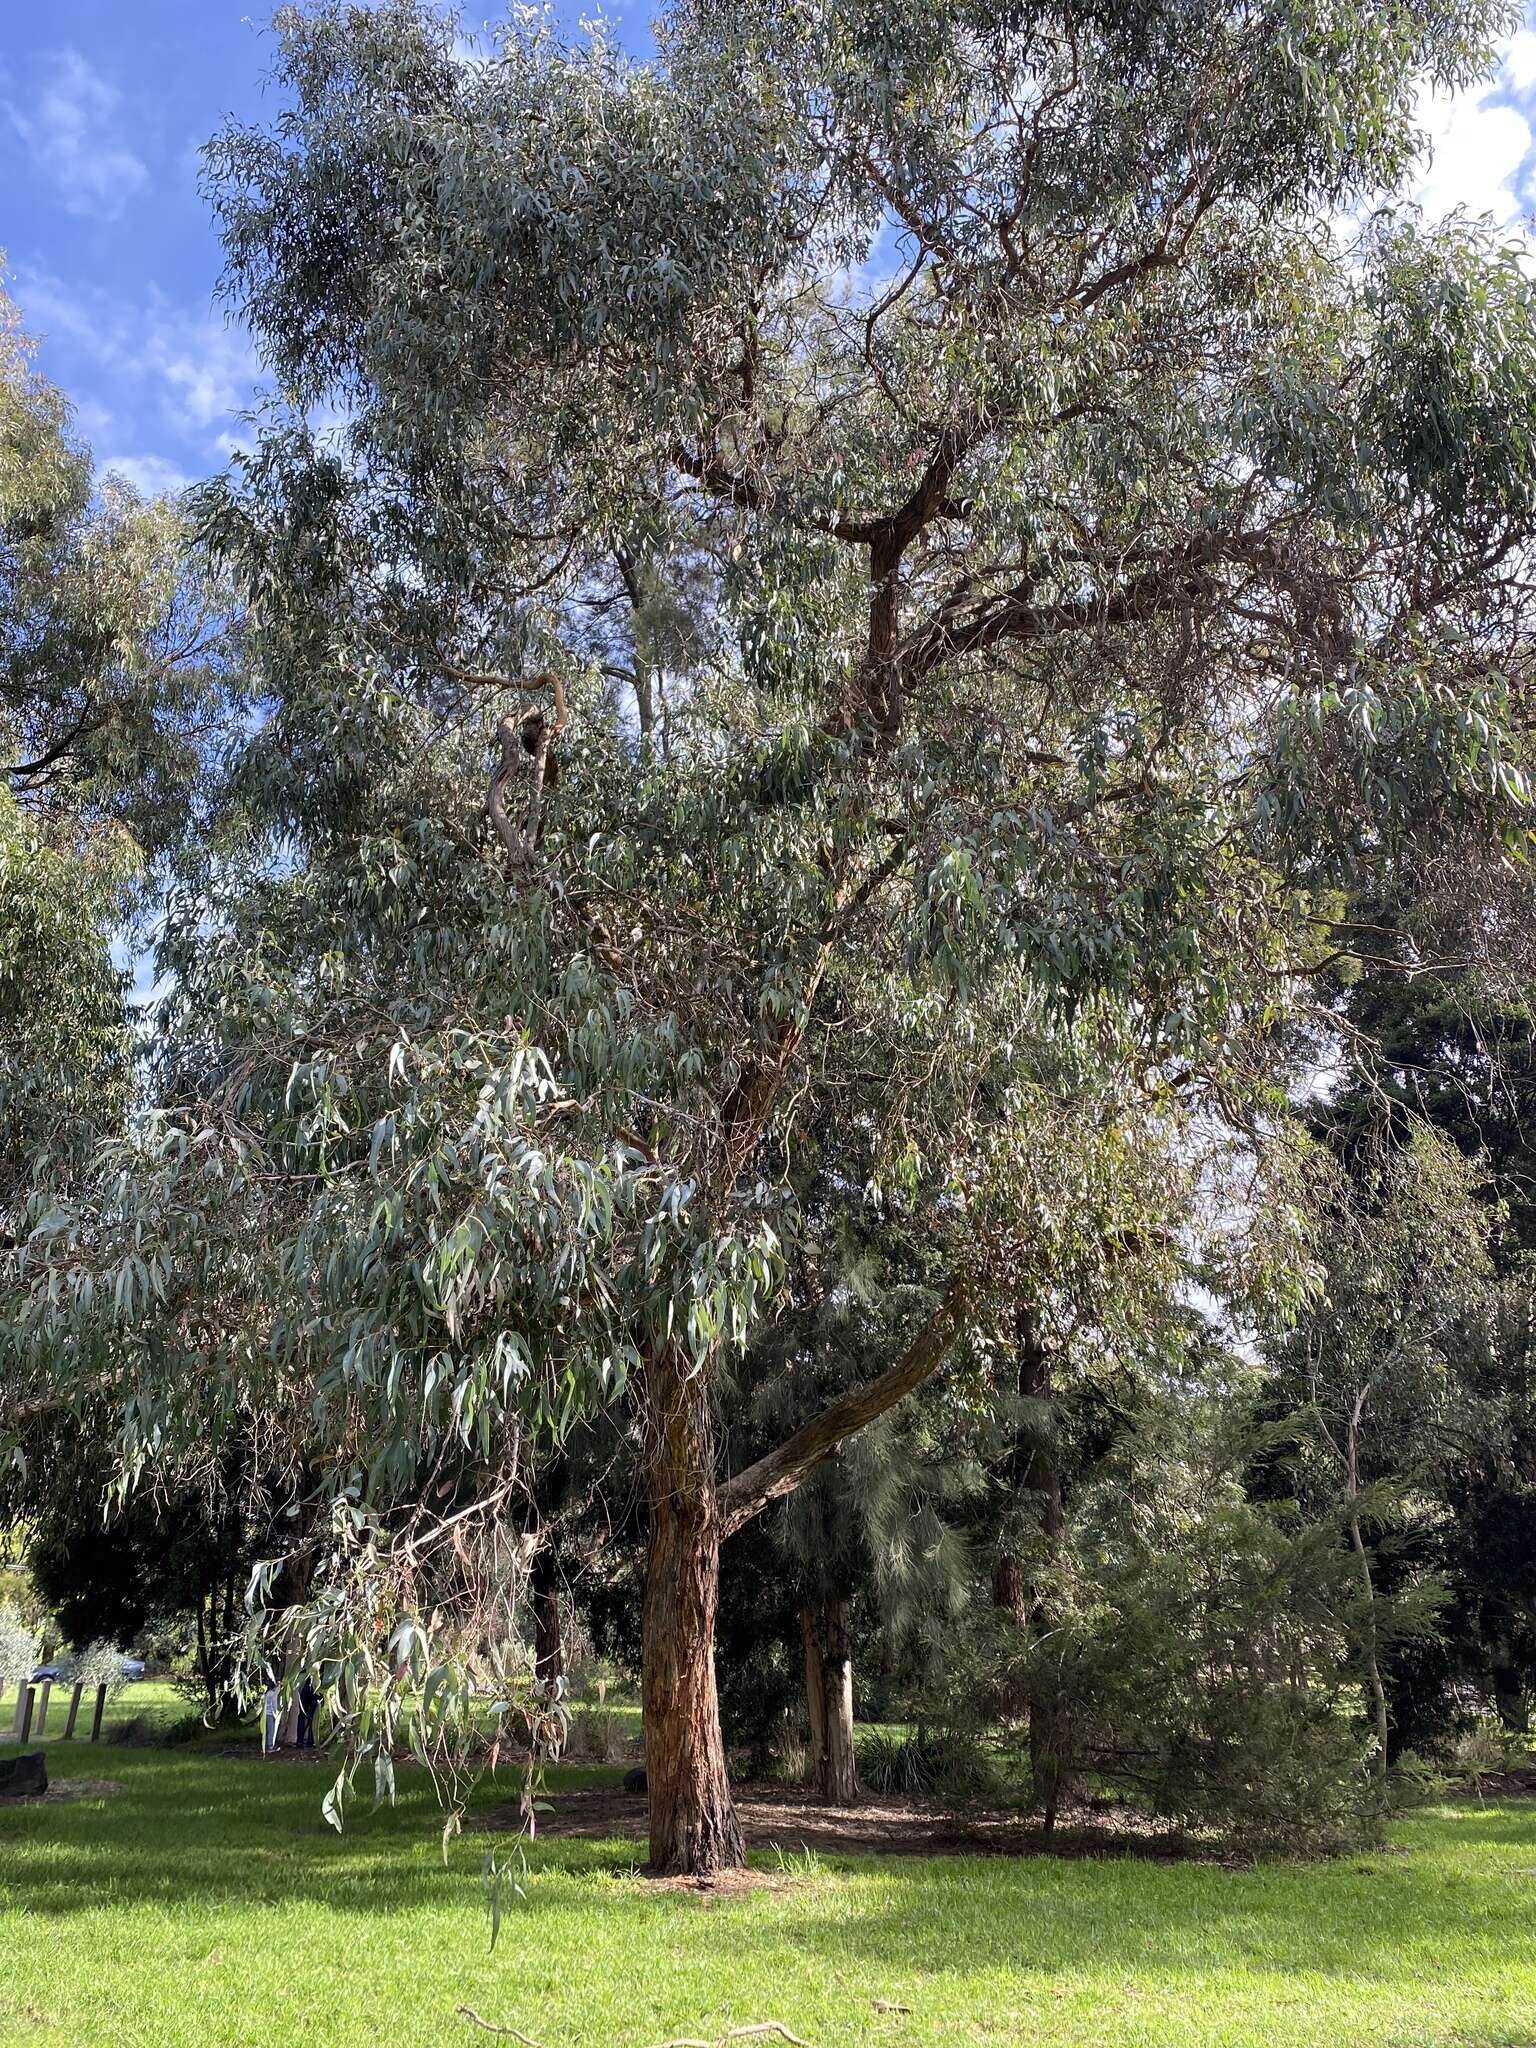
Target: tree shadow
191, 1830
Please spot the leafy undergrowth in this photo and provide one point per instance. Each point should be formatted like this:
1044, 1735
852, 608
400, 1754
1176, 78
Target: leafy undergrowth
207, 1904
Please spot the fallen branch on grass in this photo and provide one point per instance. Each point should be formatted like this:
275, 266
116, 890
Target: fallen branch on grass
683, 2040
491, 2027
737, 2034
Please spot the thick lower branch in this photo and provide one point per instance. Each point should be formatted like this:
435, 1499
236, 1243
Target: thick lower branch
782, 1470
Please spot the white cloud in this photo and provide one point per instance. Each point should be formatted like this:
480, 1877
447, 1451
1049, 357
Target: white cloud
208, 366
1475, 153
71, 124
1520, 61
150, 475
185, 362
1479, 141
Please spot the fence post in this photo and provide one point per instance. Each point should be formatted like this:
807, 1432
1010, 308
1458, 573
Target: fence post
24, 1714
74, 1709
101, 1702
23, 1694
42, 1708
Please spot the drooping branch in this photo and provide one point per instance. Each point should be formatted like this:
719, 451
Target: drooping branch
781, 1471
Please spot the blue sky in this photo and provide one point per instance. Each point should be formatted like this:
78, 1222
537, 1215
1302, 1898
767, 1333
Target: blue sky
113, 261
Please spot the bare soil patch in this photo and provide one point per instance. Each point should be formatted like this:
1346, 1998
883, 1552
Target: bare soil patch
252, 1752
784, 1817
62, 1791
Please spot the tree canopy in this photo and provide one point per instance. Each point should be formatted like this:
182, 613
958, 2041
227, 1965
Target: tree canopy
851, 590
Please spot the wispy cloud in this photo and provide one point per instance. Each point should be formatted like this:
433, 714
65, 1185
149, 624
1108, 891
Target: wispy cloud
155, 371
150, 475
72, 124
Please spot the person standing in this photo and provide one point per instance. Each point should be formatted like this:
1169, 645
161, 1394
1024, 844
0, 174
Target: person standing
309, 1701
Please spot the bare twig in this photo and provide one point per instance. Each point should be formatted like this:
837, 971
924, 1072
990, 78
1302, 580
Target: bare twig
737, 2034
490, 2026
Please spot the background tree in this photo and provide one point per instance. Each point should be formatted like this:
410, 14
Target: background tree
1435, 1043
1373, 1363
116, 673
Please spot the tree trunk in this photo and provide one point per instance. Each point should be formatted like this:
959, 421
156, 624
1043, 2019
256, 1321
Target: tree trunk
548, 1651
829, 1698
1510, 1702
1373, 1678
1372, 1661
694, 1829
1033, 1469
1010, 1591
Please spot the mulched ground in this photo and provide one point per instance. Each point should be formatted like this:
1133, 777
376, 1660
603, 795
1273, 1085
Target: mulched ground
252, 1751
777, 1816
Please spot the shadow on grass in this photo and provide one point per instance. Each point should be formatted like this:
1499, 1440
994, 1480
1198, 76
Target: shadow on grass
221, 1835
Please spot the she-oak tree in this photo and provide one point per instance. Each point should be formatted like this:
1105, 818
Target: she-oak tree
989, 561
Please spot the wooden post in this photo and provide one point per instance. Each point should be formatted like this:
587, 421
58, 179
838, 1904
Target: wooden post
74, 1709
24, 1714
101, 1704
42, 1708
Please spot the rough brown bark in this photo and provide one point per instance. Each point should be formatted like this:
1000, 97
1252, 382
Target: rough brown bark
693, 1824
829, 1698
1010, 1590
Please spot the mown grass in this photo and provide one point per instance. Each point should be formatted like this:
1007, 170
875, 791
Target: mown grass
207, 1904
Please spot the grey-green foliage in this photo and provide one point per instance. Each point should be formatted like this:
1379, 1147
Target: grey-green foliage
96, 1664
1070, 597
18, 1648
115, 669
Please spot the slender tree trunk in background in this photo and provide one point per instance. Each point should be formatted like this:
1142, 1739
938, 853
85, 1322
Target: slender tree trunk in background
1378, 1690
1033, 1469
815, 1689
1010, 1590
204, 1661
1510, 1702
694, 1829
829, 1698
548, 1651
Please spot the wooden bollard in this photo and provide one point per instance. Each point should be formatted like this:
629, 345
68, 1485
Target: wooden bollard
24, 1714
42, 1708
101, 1707
74, 1710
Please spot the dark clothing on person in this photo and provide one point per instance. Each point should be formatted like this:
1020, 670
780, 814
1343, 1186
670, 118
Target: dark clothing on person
309, 1701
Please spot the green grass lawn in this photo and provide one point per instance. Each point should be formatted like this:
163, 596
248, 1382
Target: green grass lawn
206, 1904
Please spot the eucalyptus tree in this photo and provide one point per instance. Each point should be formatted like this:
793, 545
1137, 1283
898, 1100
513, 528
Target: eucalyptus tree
1376, 1363
116, 658
1064, 560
